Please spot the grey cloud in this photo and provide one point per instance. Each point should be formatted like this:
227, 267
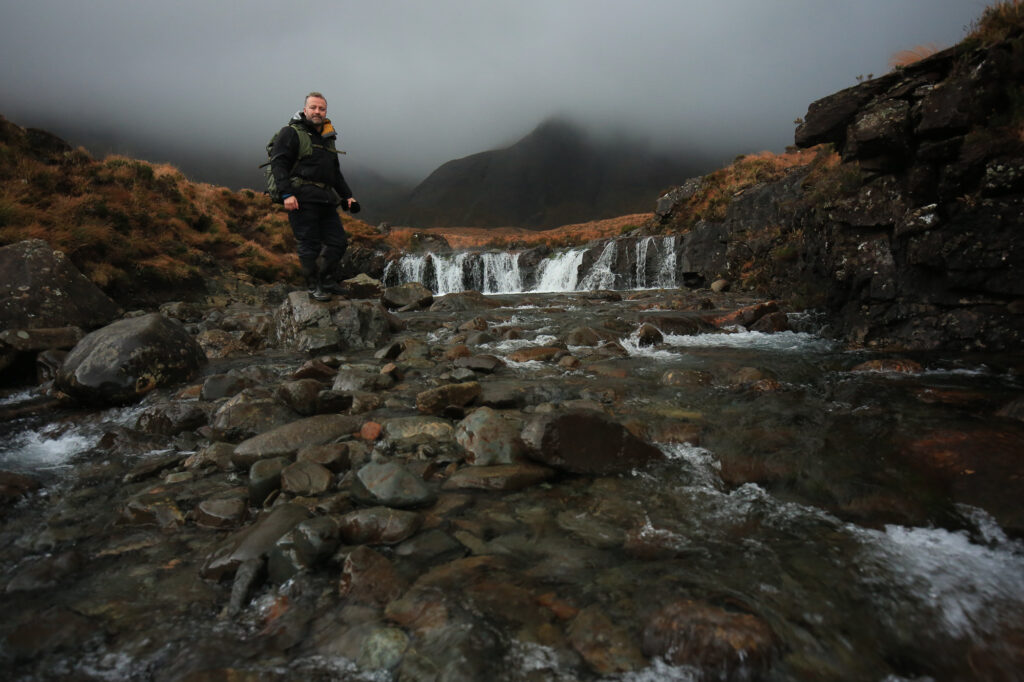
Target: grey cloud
414, 84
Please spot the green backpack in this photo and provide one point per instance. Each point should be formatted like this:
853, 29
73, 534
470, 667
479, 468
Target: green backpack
305, 149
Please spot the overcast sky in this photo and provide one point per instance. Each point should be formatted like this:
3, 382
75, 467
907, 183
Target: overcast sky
412, 84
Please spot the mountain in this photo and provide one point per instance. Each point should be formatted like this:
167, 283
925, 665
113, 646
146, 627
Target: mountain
558, 174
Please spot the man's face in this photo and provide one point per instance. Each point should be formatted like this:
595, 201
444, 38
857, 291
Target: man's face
315, 110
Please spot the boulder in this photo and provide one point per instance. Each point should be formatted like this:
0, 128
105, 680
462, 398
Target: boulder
253, 542
392, 485
725, 645
412, 295
288, 439
435, 400
490, 438
125, 360
379, 526
303, 324
41, 288
585, 442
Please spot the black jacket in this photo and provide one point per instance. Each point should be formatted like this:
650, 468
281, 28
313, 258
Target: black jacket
320, 167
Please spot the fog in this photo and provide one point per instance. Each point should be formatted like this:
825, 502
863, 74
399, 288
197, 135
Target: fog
411, 84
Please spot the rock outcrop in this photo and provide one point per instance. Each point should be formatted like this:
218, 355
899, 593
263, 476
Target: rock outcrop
125, 360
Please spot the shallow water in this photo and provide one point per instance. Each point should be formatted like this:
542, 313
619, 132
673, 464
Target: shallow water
805, 502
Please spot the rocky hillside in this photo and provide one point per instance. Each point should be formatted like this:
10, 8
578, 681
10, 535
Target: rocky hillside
554, 176
142, 232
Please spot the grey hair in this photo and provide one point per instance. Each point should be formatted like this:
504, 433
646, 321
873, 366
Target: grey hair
314, 94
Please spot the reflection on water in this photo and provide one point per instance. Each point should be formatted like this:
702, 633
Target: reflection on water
805, 501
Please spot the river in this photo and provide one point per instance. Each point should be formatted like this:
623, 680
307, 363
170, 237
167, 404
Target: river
840, 508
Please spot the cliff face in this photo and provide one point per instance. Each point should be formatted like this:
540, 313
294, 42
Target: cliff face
912, 237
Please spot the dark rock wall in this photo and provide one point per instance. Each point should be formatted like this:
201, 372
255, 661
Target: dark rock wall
914, 239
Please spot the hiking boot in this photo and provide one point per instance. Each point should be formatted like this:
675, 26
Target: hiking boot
332, 287
320, 295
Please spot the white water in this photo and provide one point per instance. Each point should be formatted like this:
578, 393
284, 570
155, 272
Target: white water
652, 264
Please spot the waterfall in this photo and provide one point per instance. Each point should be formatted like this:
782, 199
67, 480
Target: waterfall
601, 275
561, 271
501, 273
650, 263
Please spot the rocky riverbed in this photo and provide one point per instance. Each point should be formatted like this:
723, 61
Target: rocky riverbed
649, 485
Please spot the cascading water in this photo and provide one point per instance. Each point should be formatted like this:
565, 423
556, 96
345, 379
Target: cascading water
650, 264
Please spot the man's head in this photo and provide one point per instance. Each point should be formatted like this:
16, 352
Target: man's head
315, 108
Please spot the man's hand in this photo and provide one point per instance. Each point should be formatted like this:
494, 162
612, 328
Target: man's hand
291, 203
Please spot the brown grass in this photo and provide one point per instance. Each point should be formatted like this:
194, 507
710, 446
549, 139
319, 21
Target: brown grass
518, 237
914, 54
132, 226
998, 22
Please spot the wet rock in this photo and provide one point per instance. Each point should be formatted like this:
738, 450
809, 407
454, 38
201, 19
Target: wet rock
45, 572
302, 548
334, 456
315, 369
153, 509
15, 486
253, 542
383, 649
748, 315
894, 365
585, 442
300, 395
412, 296
490, 437
306, 478
726, 645
251, 412
687, 378
587, 336
40, 288
368, 577
310, 326
360, 379
678, 323
173, 418
431, 547
217, 386
390, 484
498, 477
484, 364
53, 630
218, 344
463, 301
288, 439
125, 360
331, 401
216, 454
435, 400
402, 428
772, 323
1012, 410
221, 513
981, 467
592, 530
605, 647
265, 478
379, 526
537, 354
648, 335
362, 286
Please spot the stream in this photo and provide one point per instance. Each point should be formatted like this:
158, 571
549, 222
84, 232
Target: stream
846, 521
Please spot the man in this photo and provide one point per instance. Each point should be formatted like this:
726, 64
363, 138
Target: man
312, 186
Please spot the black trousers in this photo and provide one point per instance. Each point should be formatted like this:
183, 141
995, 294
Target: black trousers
318, 232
